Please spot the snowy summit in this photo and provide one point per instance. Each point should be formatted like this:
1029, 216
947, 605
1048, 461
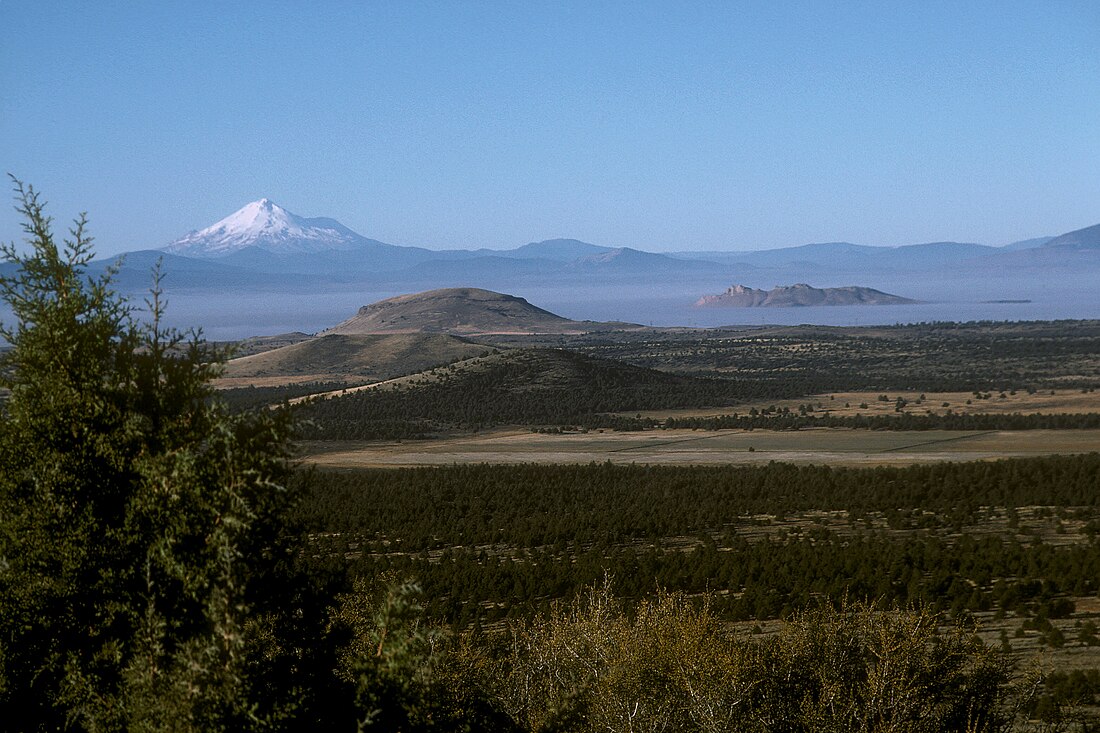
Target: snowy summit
266, 226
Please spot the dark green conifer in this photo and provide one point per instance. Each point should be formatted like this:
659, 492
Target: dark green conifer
137, 515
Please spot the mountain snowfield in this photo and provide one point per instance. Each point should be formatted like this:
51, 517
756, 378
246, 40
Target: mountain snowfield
266, 226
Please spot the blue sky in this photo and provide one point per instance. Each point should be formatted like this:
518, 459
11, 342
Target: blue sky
654, 125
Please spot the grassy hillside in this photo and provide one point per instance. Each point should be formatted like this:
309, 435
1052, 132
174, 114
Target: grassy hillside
361, 358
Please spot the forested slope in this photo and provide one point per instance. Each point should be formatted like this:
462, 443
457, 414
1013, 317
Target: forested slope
521, 535
529, 386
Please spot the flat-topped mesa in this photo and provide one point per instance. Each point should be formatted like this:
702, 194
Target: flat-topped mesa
799, 294
462, 311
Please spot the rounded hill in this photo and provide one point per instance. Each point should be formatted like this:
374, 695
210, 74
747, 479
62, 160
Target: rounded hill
464, 311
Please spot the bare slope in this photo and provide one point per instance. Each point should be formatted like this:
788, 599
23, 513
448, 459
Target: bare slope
356, 357
463, 311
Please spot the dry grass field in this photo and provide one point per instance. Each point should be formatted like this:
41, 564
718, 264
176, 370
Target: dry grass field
833, 446
1049, 402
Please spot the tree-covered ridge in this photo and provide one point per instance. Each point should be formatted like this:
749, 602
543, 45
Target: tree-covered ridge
543, 387
530, 386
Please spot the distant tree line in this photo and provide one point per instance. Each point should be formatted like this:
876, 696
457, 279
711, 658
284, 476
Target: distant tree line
252, 398
899, 421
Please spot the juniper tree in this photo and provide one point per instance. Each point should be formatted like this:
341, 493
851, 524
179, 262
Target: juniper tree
138, 517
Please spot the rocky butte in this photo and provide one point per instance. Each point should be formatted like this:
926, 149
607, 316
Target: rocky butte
800, 294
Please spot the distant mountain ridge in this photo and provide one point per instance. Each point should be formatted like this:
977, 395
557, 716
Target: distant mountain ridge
266, 265
852, 257
265, 237
560, 250
800, 294
1087, 238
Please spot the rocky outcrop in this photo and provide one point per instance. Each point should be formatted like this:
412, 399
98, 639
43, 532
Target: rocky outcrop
800, 294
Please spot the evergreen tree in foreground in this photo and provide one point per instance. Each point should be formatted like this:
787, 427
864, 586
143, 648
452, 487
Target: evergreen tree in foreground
138, 518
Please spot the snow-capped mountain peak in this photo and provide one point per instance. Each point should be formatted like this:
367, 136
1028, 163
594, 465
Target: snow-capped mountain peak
266, 226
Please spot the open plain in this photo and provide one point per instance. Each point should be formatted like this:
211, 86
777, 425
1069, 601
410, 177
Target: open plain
840, 447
